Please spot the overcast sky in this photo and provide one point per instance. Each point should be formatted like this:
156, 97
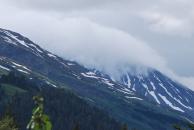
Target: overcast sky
110, 34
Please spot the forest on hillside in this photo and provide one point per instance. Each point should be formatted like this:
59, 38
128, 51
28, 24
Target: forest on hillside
62, 109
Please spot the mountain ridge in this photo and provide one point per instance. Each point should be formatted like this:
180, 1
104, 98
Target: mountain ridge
94, 86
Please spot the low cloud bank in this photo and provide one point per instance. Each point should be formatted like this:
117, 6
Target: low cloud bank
95, 46
90, 44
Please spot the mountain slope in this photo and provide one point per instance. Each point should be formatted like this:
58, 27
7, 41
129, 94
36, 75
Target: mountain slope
161, 90
125, 99
65, 109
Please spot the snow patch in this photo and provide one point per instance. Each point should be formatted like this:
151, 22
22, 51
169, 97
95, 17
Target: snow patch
127, 90
106, 81
152, 93
166, 90
89, 76
23, 71
70, 64
49, 83
9, 40
188, 107
5, 68
34, 46
133, 98
155, 97
128, 81
15, 38
18, 65
154, 88
170, 104
51, 55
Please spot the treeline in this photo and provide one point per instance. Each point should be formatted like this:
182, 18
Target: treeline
65, 109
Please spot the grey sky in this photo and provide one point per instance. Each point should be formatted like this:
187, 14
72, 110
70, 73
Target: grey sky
155, 33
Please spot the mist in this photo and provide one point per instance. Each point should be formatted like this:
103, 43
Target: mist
91, 42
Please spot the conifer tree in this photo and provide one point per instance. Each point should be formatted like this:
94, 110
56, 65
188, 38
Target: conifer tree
39, 120
8, 123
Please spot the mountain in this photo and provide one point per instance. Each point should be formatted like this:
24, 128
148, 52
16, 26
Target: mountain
161, 90
148, 102
64, 108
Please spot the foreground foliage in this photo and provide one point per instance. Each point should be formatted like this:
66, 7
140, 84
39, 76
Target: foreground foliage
39, 120
8, 123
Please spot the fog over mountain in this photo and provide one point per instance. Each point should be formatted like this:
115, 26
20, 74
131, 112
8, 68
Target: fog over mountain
110, 35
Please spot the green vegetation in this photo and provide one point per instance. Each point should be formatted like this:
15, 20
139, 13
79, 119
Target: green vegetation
39, 120
66, 111
8, 123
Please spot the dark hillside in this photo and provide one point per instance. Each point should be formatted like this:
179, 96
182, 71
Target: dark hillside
65, 109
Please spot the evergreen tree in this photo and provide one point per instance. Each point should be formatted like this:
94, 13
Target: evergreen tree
8, 123
39, 120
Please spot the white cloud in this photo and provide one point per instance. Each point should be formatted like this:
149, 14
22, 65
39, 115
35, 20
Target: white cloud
161, 22
167, 23
101, 38
93, 45
61, 5
187, 81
